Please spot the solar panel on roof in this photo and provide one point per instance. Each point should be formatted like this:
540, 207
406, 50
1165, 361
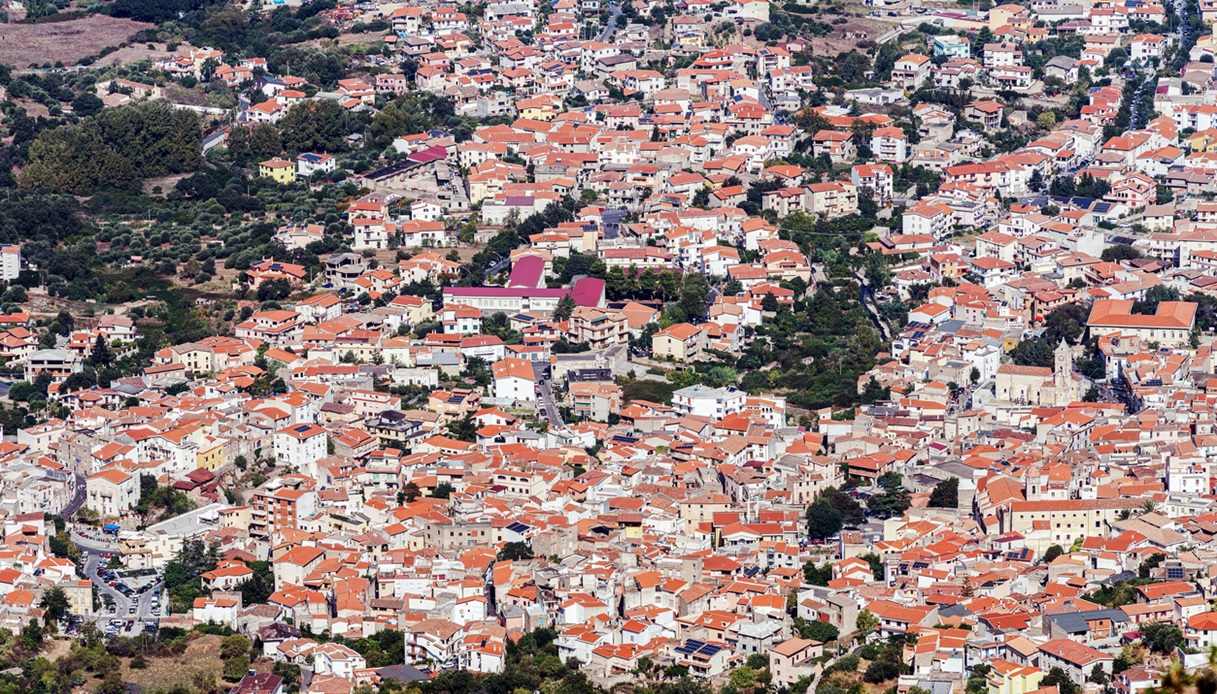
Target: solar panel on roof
709, 649
517, 527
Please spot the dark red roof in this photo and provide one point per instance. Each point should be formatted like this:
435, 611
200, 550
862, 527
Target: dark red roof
201, 475
428, 155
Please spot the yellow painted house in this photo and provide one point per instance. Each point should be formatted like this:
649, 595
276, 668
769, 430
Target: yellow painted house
543, 108
1203, 141
213, 453
281, 171
1006, 677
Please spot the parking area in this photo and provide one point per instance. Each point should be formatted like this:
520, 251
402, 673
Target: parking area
130, 600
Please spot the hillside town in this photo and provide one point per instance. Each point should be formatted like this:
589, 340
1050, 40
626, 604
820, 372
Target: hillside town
571, 346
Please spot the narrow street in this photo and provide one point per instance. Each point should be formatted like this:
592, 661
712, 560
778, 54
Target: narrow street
78, 498
545, 386
611, 25
867, 299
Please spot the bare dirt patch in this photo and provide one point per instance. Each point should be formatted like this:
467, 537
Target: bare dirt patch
33, 109
26, 45
57, 649
199, 663
348, 39
136, 52
162, 184
847, 35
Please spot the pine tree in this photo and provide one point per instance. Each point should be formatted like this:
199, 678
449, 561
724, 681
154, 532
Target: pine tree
101, 355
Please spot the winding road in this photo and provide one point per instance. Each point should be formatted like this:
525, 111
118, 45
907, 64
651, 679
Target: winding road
78, 498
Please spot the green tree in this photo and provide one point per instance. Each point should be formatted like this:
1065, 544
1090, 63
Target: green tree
877, 569
816, 630
1153, 561
1065, 685
86, 104
411, 491
234, 646
892, 500
236, 668
694, 291
514, 551
114, 149
817, 575
564, 309
55, 602
112, 682
182, 573
274, 290
945, 494
101, 354
290, 673
32, 636
978, 679
1154, 296
1162, 637
254, 143
852, 68
866, 623
234, 651
577, 264
823, 521
1033, 352
260, 585
881, 670
316, 126
1114, 595
1119, 251
742, 678
414, 112
323, 68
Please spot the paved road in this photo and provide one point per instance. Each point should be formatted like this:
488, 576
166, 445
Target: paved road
90, 544
889, 35
867, 295
78, 499
1134, 109
496, 267
611, 25
552, 415
764, 94
1181, 9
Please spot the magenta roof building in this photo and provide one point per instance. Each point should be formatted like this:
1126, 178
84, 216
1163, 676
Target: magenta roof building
528, 272
586, 291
